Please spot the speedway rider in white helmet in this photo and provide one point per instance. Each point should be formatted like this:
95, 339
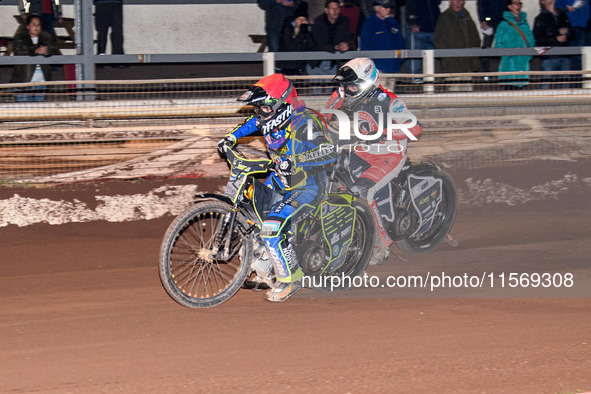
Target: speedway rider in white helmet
381, 159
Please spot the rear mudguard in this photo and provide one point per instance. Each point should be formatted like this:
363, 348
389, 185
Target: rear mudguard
424, 168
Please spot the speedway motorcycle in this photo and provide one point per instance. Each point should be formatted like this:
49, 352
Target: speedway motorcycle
416, 210
211, 250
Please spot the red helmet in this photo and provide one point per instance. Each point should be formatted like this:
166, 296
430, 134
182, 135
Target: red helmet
272, 90
273, 99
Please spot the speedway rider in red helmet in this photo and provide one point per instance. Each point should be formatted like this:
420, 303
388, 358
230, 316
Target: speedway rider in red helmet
299, 175
380, 160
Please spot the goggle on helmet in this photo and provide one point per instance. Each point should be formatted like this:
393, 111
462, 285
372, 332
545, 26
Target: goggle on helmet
356, 79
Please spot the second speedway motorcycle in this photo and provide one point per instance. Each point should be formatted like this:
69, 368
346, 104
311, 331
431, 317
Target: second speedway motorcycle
416, 210
212, 248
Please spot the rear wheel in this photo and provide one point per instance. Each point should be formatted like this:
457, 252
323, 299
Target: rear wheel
442, 223
189, 271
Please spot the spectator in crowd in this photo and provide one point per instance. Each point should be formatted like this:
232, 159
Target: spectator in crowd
48, 10
552, 29
350, 9
490, 14
456, 29
382, 32
296, 36
421, 21
276, 12
33, 41
578, 15
514, 32
366, 8
109, 14
332, 33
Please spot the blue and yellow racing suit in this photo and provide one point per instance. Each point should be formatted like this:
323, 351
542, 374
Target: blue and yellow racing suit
304, 154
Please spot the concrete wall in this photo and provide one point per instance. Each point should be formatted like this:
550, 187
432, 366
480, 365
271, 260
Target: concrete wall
192, 28
203, 28
199, 28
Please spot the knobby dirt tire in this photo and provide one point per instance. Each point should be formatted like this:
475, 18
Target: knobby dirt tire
188, 275
442, 225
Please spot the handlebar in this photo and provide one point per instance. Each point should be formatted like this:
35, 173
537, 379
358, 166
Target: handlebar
240, 165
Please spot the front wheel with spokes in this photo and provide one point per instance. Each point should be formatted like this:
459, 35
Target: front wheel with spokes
191, 270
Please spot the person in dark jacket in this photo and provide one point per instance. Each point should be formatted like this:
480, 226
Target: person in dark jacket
456, 29
421, 21
33, 41
48, 10
109, 14
490, 14
382, 32
296, 36
332, 33
276, 12
552, 29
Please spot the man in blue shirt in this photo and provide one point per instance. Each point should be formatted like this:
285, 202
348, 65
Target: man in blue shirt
382, 32
578, 18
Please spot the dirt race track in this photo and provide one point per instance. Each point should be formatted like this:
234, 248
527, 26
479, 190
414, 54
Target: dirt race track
83, 310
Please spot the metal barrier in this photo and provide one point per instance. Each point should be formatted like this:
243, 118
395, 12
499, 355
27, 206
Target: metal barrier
216, 97
269, 59
170, 127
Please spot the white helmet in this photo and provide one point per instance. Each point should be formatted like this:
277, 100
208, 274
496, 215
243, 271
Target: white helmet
357, 78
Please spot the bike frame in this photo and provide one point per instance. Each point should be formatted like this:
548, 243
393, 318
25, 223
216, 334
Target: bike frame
241, 169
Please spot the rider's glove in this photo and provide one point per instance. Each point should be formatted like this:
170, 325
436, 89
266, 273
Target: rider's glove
227, 141
284, 167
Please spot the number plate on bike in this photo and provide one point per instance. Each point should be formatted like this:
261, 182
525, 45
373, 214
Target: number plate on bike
232, 187
426, 194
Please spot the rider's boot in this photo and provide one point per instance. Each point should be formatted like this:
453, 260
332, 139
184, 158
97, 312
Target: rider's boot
380, 255
282, 291
263, 267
